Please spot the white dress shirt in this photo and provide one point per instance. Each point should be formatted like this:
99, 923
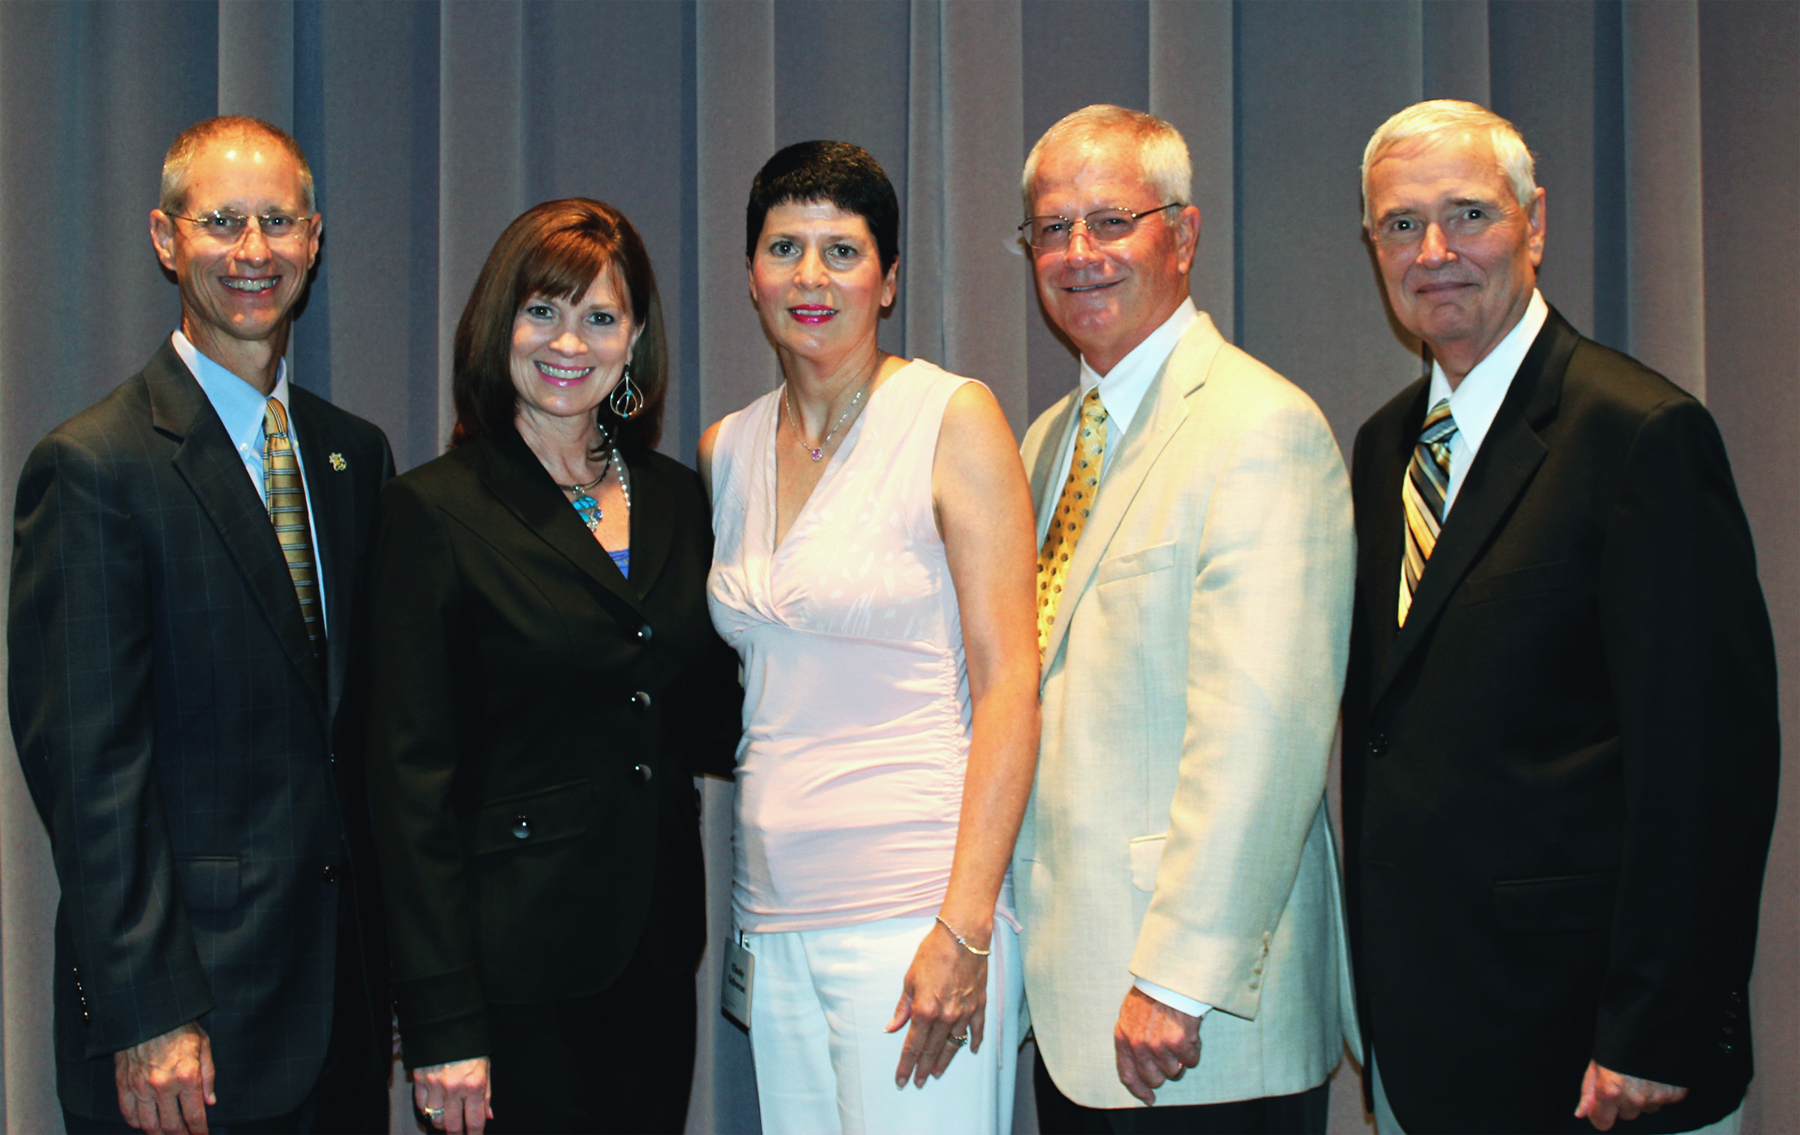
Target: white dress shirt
1122, 391
1477, 397
240, 406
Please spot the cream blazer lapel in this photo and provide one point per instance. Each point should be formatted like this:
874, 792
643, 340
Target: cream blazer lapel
1163, 411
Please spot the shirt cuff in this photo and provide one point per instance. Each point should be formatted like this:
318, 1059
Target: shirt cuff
1171, 998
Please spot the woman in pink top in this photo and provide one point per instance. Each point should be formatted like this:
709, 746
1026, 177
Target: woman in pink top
874, 568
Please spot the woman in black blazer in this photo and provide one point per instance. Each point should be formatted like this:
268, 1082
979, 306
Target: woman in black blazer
546, 680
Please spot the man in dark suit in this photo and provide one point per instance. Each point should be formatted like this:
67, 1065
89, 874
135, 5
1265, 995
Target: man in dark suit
1561, 745
183, 639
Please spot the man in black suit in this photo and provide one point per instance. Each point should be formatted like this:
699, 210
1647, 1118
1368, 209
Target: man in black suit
1561, 745
183, 685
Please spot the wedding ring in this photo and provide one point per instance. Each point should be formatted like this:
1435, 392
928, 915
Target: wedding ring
436, 1113
958, 1041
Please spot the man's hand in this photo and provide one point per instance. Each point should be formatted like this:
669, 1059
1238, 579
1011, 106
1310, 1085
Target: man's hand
166, 1083
456, 1097
1606, 1095
1153, 1043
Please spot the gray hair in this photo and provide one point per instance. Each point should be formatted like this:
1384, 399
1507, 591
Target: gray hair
188, 143
1437, 118
1162, 154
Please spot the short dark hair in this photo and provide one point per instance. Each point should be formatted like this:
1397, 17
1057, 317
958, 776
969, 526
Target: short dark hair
845, 175
556, 250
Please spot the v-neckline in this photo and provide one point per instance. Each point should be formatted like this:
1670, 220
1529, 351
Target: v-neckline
833, 465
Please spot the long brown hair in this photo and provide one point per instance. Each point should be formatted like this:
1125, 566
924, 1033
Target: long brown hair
556, 250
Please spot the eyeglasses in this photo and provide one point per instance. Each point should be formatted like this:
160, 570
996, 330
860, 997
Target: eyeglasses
228, 227
1046, 234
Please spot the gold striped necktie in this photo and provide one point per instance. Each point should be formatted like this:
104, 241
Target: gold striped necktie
1422, 494
286, 497
1071, 513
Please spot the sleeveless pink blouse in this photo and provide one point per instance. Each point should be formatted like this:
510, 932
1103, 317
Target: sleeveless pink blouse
856, 709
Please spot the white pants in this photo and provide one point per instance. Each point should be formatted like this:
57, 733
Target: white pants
819, 1002
1386, 1124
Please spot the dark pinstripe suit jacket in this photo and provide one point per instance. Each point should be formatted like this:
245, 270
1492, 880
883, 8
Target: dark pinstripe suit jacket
202, 790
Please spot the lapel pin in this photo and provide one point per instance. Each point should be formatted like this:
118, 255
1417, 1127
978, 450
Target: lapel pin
338, 464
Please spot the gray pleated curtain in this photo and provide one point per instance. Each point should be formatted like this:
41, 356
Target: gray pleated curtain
1667, 132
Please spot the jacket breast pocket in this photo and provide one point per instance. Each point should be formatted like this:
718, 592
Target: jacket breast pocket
1537, 579
209, 883
1556, 905
1141, 562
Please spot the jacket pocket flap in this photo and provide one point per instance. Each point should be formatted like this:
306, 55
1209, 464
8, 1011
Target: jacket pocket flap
1146, 857
1556, 905
535, 817
1533, 580
208, 882
1141, 562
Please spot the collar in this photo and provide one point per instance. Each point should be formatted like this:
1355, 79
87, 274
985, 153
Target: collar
238, 404
1477, 397
1123, 387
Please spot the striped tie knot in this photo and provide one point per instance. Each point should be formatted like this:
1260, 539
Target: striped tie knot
285, 494
1422, 495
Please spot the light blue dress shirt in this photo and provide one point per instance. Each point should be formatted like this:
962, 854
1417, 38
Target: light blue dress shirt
240, 406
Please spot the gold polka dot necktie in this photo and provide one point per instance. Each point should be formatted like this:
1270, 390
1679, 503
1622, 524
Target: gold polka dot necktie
1072, 510
285, 494
1422, 494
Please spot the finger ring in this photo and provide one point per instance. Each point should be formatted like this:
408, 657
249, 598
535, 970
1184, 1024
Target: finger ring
436, 1113
958, 1041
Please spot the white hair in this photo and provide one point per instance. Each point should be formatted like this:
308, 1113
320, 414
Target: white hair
1162, 154
1438, 118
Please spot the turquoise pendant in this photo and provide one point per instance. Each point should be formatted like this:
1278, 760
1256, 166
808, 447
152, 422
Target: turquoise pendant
588, 509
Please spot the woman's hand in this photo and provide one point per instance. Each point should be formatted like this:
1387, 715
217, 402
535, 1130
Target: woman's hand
455, 1096
944, 996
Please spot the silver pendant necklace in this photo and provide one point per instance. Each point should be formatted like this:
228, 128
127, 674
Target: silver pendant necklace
816, 452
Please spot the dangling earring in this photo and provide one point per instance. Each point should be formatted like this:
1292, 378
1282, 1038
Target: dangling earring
625, 400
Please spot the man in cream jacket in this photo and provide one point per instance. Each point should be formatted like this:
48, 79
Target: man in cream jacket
1176, 873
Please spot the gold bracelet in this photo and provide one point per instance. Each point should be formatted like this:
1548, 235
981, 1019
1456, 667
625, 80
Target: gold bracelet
960, 940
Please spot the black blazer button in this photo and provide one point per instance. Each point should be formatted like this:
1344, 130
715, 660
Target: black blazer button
330, 873
1378, 745
640, 700
644, 632
642, 774
521, 827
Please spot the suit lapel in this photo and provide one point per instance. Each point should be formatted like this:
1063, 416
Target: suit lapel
1163, 411
332, 508
517, 479
209, 463
1508, 459
1047, 473
652, 528
1382, 545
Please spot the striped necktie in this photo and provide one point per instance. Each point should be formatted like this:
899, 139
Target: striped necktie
286, 497
1071, 513
1422, 494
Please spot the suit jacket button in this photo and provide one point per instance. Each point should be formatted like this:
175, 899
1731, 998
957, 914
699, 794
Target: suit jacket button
521, 828
644, 632
642, 774
330, 873
640, 700
1378, 745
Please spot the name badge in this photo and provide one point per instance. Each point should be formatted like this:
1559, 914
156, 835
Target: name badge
740, 978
